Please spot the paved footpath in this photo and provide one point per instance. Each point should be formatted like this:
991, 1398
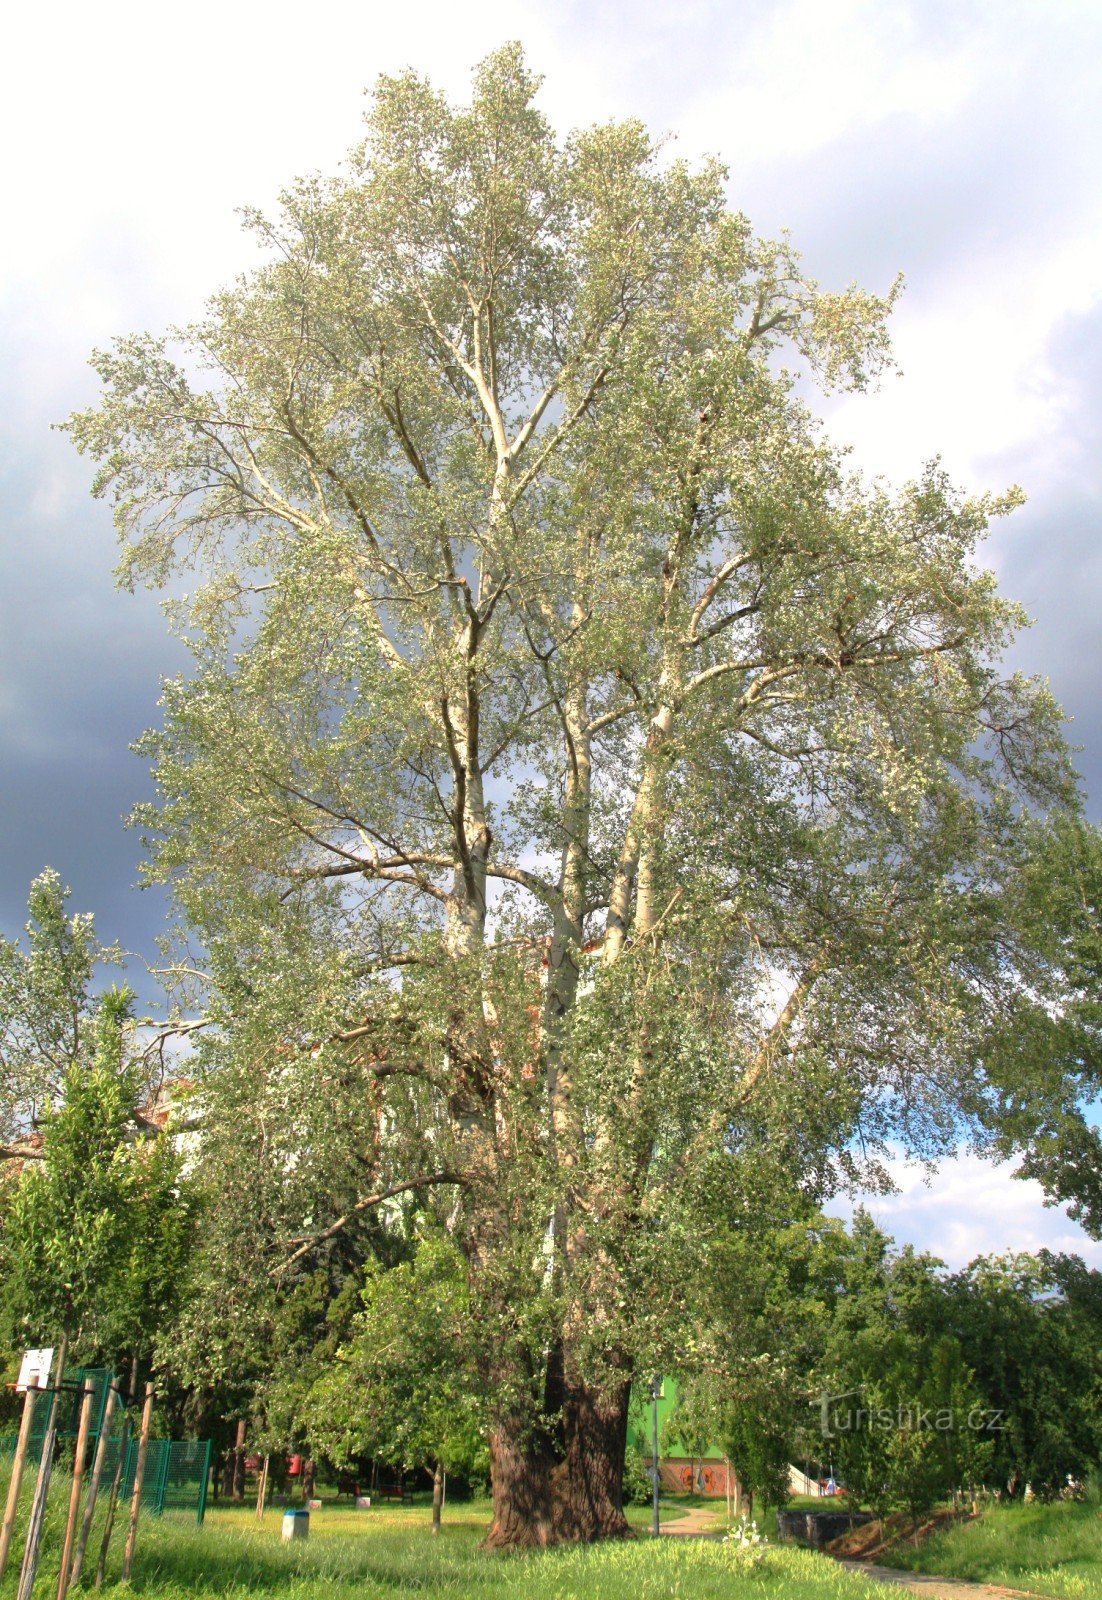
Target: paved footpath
935, 1588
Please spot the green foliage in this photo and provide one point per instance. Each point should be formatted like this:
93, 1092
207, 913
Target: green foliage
638, 1487
990, 1375
95, 1235
906, 1429
750, 1407
1062, 894
1033, 1327
402, 1385
46, 1005
96, 1226
760, 1427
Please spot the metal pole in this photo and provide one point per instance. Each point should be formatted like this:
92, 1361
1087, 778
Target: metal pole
139, 1474
201, 1508
18, 1462
75, 1488
655, 1391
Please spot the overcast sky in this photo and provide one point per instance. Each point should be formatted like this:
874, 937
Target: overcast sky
955, 140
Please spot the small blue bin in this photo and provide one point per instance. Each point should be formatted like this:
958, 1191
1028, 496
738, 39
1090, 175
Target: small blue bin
296, 1524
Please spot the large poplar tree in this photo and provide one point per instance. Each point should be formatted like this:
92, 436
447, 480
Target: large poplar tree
580, 769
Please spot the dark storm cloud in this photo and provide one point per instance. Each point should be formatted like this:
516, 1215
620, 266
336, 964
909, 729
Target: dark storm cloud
1062, 596
80, 665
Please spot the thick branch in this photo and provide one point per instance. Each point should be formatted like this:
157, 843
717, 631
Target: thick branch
422, 1181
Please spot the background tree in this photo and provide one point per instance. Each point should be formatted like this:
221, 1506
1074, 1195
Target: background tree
759, 1426
908, 1426
1031, 1327
403, 1386
95, 1234
749, 1405
559, 702
47, 1009
285, 1144
1000, 1361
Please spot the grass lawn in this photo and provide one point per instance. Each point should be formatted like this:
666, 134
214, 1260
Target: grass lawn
1049, 1549
390, 1554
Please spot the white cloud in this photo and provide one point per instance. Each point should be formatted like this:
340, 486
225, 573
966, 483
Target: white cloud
816, 72
971, 1207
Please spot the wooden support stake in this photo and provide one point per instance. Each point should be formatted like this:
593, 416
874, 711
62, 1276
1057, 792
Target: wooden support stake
113, 1499
76, 1486
262, 1489
139, 1475
42, 1486
102, 1445
238, 1481
14, 1484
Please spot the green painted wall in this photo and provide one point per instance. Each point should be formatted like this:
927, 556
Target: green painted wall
639, 1423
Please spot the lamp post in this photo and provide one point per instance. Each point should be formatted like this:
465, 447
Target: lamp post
655, 1396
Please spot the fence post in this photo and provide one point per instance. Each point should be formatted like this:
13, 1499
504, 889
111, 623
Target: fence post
139, 1474
18, 1461
102, 1446
77, 1484
162, 1477
204, 1484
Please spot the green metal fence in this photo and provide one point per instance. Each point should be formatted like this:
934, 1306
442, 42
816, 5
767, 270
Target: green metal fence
177, 1471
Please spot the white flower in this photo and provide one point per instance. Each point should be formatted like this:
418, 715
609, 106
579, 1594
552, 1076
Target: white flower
745, 1535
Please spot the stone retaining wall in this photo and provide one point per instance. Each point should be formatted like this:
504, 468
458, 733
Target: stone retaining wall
818, 1528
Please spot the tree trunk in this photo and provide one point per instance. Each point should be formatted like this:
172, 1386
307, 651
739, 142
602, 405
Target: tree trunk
564, 1490
237, 1479
437, 1496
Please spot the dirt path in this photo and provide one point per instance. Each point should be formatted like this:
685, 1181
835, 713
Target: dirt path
697, 1520
935, 1588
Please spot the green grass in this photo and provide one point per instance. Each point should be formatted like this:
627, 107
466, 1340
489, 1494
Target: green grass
390, 1554
1048, 1549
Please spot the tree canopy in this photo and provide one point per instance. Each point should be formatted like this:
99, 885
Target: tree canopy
582, 773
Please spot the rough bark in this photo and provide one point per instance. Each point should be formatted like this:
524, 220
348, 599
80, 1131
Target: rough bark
566, 1489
